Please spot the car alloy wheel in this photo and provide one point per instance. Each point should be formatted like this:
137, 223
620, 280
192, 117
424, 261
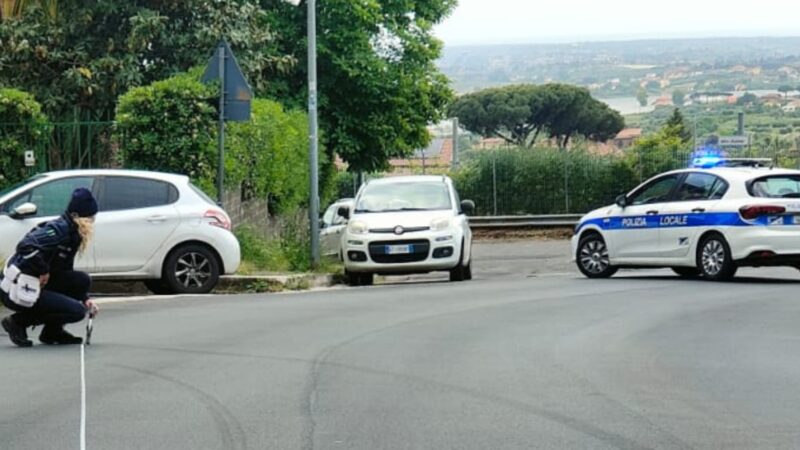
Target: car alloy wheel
191, 269
714, 259
592, 258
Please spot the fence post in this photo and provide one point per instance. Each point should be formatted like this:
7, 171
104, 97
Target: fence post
494, 181
566, 182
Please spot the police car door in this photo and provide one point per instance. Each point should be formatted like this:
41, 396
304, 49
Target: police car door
636, 232
683, 219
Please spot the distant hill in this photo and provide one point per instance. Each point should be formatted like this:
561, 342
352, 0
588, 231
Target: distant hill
620, 68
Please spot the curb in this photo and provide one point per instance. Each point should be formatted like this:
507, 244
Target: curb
230, 284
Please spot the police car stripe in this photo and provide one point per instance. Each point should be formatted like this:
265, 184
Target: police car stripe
686, 220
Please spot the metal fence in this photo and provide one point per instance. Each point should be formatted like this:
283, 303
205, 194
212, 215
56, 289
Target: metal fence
68, 145
531, 182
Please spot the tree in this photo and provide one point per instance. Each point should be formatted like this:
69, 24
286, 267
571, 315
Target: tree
79, 61
747, 100
676, 126
379, 85
518, 114
678, 97
641, 96
785, 89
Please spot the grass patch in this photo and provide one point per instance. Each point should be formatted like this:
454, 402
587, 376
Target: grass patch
291, 253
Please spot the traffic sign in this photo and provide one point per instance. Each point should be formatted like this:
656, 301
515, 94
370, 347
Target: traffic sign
734, 141
236, 91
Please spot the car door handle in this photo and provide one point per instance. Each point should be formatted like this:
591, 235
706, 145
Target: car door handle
156, 219
652, 213
699, 210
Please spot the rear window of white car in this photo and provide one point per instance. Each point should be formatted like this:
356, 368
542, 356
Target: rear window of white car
775, 186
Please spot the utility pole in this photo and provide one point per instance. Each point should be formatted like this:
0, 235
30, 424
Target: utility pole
221, 134
313, 132
455, 143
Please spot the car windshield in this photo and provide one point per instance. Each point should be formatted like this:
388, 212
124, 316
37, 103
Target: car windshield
410, 196
779, 186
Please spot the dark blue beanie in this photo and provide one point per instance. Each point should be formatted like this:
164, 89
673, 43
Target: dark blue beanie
83, 203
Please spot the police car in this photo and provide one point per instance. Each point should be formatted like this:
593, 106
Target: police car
705, 221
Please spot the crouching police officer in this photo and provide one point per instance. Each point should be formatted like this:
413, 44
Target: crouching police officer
38, 281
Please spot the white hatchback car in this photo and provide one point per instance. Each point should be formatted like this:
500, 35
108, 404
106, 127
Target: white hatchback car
699, 222
332, 226
404, 225
154, 227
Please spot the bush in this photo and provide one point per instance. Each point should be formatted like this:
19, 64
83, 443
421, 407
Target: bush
289, 253
269, 156
22, 127
543, 181
169, 126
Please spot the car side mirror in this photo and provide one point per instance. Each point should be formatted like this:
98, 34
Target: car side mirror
468, 207
24, 210
622, 201
344, 212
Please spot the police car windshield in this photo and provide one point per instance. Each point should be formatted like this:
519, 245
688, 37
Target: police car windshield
412, 196
776, 186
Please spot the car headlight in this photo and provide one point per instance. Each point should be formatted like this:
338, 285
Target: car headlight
357, 227
440, 224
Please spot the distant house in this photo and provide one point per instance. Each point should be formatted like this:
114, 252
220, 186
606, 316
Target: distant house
663, 101
438, 155
711, 97
626, 138
792, 106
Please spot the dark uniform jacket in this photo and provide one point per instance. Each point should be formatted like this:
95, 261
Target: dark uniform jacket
50, 247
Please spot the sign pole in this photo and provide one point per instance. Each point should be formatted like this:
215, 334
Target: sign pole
221, 165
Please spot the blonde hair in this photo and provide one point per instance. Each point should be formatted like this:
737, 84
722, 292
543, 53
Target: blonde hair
85, 230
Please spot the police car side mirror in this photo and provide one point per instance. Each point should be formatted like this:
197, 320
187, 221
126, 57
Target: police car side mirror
622, 201
24, 210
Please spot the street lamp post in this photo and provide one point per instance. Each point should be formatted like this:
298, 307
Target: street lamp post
313, 127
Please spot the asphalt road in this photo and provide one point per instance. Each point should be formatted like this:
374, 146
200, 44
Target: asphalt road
520, 358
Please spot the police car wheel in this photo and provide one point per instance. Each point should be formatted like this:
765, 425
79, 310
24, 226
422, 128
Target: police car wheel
686, 272
714, 259
191, 269
592, 257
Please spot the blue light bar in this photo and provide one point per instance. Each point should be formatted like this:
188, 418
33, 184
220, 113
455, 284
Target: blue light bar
707, 162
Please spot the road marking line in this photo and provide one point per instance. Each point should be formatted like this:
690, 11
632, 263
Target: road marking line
83, 399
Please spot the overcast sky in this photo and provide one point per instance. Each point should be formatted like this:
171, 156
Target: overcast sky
532, 21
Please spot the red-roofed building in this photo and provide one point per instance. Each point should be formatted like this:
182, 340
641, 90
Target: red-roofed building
627, 137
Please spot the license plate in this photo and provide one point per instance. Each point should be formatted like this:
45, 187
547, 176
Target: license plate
399, 249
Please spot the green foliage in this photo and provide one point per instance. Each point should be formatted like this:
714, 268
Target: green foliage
379, 85
269, 155
169, 126
678, 97
22, 125
290, 252
641, 96
659, 152
519, 114
83, 58
546, 181
677, 126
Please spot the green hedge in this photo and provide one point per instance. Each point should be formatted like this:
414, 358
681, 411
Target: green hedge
543, 181
169, 126
22, 127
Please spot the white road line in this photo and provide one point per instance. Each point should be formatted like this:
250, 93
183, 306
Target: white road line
83, 399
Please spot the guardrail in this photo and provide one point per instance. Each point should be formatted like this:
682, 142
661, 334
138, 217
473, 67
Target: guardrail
506, 222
